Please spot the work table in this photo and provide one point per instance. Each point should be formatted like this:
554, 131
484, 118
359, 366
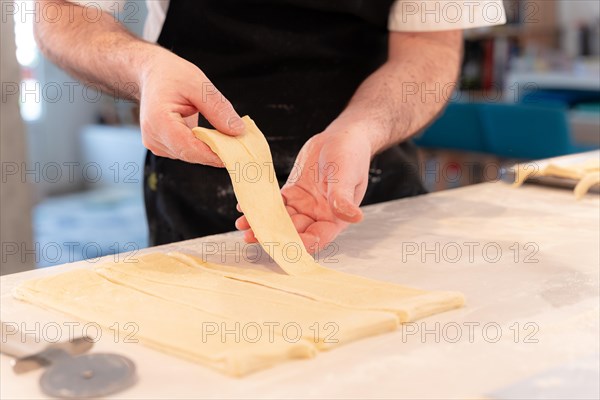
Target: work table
527, 260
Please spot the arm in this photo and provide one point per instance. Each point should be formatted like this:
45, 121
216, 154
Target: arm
171, 90
384, 110
386, 104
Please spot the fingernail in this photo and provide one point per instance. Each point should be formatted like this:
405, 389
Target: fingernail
236, 124
348, 211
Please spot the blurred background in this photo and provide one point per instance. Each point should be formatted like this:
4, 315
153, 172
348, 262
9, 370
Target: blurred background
72, 158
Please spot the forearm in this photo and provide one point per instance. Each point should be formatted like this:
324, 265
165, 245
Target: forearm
408, 91
99, 52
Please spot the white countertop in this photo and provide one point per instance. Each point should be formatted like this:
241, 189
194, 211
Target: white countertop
544, 299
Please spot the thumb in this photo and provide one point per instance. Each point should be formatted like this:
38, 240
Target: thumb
340, 196
180, 143
213, 105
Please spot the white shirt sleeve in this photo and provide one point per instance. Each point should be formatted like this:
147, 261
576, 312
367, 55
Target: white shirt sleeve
443, 15
157, 13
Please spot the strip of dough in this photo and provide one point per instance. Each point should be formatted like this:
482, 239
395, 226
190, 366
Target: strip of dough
325, 325
175, 329
260, 198
250, 167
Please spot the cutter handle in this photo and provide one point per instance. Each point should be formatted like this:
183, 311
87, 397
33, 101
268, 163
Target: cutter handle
16, 344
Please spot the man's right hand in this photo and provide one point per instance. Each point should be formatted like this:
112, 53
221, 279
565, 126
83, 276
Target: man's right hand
171, 90
172, 93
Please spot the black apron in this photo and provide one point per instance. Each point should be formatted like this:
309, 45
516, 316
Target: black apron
292, 65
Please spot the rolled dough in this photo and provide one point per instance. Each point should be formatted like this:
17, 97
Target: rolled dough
171, 328
324, 325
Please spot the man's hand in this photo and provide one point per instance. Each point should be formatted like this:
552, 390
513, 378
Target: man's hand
173, 91
326, 186
334, 165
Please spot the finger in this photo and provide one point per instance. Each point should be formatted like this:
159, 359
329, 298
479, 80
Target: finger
191, 121
194, 153
310, 241
242, 223
291, 210
155, 147
321, 233
345, 209
182, 143
249, 237
340, 196
216, 108
301, 222
289, 198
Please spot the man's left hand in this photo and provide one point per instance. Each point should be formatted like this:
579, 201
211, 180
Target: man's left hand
326, 186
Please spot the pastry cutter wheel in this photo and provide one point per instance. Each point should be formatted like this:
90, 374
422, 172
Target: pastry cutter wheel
70, 373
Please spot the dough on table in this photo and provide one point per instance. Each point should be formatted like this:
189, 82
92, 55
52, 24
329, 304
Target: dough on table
324, 325
173, 328
176, 300
586, 173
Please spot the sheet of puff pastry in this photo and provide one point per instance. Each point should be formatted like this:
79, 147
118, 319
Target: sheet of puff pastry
325, 325
260, 198
172, 328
